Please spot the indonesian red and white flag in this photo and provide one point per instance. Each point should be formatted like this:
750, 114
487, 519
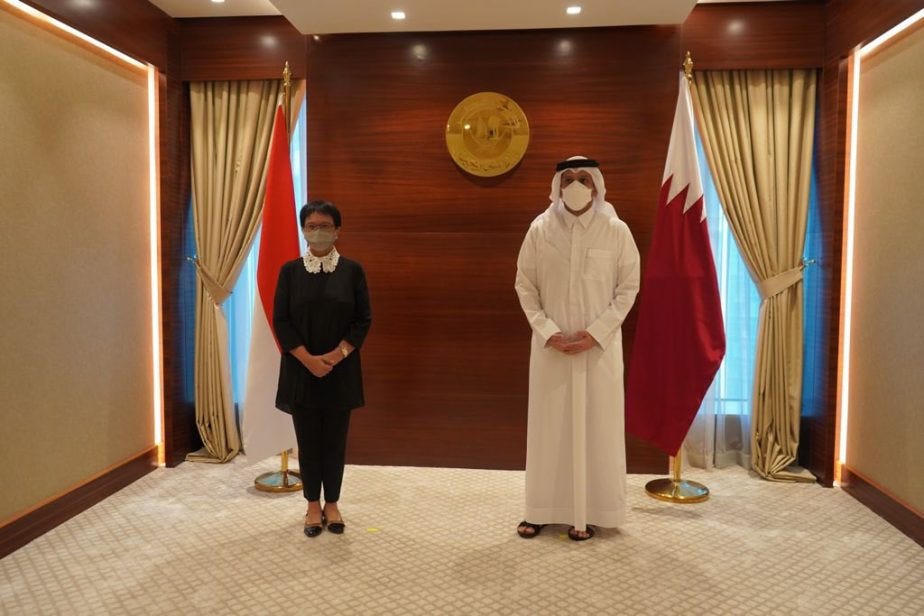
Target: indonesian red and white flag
266, 429
680, 337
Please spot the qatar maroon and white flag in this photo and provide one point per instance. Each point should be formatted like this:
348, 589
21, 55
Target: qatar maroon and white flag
680, 337
266, 429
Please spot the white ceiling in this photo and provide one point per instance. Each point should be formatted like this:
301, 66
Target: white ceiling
338, 16
207, 8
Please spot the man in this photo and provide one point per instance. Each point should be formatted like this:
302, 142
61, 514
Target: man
577, 277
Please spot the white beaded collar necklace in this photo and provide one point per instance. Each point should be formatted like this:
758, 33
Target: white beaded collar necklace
314, 264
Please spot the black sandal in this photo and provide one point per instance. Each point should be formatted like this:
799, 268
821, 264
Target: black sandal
574, 536
524, 525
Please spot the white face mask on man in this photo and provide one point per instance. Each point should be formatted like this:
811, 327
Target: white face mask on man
576, 196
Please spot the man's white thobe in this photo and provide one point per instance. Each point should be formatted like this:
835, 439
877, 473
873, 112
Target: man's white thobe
576, 273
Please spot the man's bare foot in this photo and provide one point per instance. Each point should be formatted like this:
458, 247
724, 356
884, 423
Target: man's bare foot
580, 535
528, 530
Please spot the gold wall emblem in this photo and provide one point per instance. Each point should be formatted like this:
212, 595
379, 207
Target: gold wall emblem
487, 134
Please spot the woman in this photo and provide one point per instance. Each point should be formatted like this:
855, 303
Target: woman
321, 316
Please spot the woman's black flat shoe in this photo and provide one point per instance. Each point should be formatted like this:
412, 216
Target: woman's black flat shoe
523, 526
313, 530
336, 527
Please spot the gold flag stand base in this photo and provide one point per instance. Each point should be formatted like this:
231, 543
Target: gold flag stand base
675, 489
282, 480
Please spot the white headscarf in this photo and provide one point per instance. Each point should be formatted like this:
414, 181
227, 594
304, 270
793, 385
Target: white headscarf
599, 202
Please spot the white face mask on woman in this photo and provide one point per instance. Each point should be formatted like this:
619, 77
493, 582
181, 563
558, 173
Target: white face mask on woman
321, 239
576, 196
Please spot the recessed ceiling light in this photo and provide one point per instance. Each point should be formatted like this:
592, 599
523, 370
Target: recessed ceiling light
573, 10
218, 1
398, 15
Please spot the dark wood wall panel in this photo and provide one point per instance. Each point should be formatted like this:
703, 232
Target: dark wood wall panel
848, 24
233, 48
135, 27
177, 290
446, 361
819, 411
895, 512
755, 36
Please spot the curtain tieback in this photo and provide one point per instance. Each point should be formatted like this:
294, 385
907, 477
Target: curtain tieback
779, 283
217, 292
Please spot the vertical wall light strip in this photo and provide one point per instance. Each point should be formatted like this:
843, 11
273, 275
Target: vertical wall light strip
154, 212
847, 295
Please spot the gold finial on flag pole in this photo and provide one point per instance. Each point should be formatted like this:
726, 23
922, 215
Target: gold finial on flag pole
282, 480
287, 96
675, 489
688, 66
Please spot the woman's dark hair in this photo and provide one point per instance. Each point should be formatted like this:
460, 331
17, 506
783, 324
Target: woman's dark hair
321, 207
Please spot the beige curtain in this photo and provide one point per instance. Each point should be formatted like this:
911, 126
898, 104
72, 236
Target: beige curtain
757, 130
231, 124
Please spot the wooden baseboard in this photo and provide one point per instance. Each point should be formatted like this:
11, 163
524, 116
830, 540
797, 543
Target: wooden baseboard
42, 519
885, 505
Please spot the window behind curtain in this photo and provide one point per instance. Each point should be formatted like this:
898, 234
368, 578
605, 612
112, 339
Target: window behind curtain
720, 434
740, 306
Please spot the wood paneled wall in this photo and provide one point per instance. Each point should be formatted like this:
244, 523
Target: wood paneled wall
447, 358
769, 35
444, 387
237, 48
446, 361
177, 290
135, 27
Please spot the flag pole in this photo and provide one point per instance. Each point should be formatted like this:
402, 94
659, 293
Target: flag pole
675, 489
282, 480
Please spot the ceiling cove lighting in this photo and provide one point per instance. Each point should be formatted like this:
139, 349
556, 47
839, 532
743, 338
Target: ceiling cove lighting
398, 15
36, 14
573, 10
872, 45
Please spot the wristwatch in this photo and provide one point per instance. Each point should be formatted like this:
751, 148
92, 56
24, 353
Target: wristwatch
343, 351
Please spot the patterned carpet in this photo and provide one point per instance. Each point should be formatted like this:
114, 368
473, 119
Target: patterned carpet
198, 539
